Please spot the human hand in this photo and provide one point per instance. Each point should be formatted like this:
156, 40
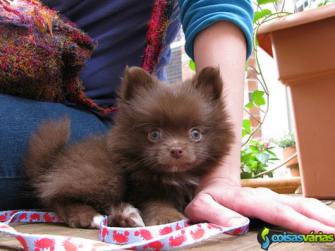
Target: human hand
227, 204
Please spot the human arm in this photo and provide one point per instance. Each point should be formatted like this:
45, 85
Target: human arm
221, 199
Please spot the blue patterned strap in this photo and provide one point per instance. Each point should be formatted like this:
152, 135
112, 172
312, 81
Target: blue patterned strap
161, 237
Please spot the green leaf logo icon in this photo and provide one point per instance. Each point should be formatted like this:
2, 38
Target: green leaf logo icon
264, 233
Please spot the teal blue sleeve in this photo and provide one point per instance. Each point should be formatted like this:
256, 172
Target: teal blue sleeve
196, 15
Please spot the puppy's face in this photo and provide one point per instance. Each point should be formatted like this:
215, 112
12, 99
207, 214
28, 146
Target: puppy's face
174, 127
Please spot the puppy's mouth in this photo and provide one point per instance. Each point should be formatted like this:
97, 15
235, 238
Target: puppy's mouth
169, 162
176, 167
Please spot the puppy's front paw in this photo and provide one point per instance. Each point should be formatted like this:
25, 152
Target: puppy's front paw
163, 218
81, 216
125, 215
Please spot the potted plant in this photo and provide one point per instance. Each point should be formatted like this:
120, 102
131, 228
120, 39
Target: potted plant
303, 47
288, 145
256, 157
257, 161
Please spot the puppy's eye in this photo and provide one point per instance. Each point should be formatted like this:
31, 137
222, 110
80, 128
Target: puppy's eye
195, 134
154, 135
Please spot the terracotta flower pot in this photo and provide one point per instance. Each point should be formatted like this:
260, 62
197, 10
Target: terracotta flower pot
303, 46
293, 164
279, 185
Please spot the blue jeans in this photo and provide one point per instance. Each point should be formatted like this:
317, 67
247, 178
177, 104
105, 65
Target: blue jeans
19, 118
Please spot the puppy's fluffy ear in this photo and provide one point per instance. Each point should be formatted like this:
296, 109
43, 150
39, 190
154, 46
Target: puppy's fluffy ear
209, 82
134, 79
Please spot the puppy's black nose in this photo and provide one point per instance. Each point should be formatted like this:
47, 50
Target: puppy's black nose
176, 152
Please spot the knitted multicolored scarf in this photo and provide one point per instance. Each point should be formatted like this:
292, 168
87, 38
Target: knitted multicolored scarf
158, 25
41, 55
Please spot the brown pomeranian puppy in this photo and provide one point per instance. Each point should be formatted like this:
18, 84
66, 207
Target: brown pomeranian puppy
146, 169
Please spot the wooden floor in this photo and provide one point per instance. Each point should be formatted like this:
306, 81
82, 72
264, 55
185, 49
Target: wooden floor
228, 243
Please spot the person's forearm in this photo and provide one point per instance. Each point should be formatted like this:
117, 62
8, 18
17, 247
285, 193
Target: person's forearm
223, 44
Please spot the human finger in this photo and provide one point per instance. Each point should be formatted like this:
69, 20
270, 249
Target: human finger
204, 208
287, 217
312, 208
268, 206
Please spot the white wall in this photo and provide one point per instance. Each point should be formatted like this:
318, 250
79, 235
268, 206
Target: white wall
278, 119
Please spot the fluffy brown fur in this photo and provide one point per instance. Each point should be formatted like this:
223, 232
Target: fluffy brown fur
165, 137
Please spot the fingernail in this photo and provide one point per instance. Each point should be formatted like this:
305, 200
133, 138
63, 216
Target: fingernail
237, 221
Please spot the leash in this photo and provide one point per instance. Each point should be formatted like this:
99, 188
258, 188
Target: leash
161, 237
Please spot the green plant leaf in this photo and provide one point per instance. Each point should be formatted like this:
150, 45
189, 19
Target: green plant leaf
256, 157
258, 97
246, 124
260, 2
253, 164
285, 141
191, 64
246, 157
249, 105
246, 127
261, 14
254, 149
